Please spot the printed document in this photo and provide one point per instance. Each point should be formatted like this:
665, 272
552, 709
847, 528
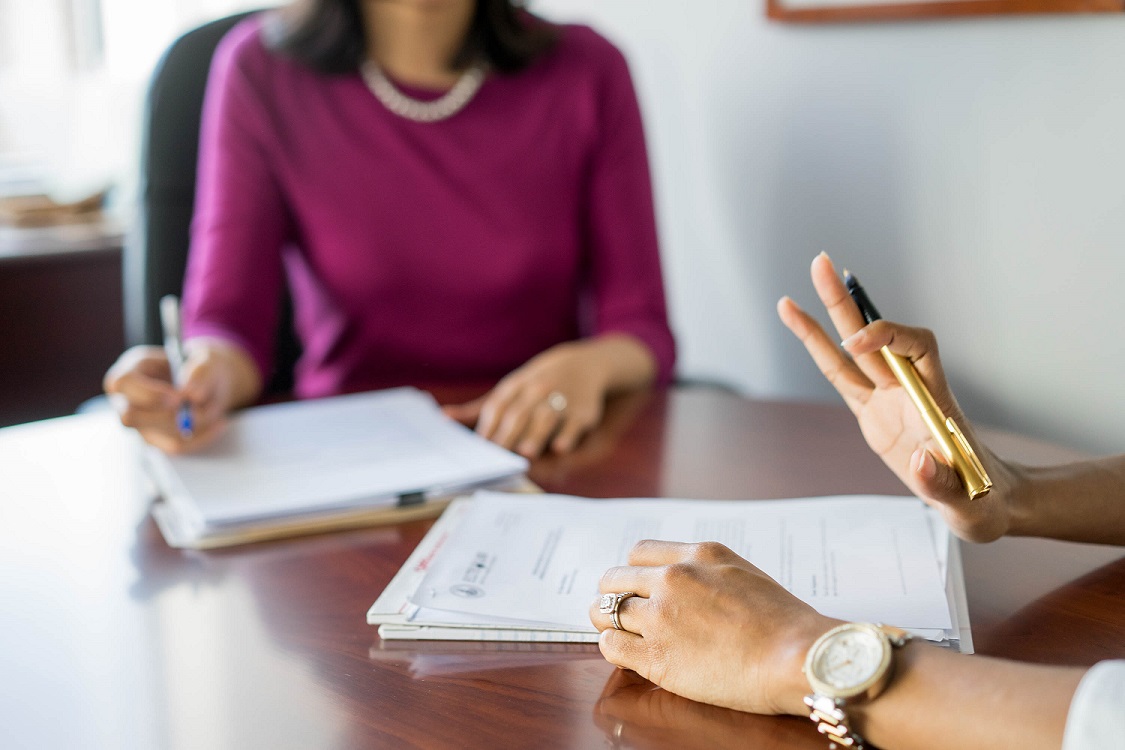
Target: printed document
528, 564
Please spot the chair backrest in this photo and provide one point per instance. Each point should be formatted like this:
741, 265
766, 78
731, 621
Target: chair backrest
157, 246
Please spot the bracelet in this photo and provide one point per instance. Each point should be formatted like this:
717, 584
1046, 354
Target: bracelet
832, 721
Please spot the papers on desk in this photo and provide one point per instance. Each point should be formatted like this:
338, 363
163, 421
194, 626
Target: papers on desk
505, 567
323, 464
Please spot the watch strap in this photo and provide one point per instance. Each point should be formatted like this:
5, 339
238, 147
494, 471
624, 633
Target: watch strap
832, 722
898, 637
828, 713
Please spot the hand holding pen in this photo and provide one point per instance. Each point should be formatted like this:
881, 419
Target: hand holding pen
179, 400
955, 447
174, 350
891, 420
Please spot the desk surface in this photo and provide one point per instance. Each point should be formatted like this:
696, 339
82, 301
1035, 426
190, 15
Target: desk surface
110, 639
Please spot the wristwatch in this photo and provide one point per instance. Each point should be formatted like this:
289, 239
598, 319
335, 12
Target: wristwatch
850, 663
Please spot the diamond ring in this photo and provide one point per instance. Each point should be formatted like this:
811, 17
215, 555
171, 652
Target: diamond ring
556, 401
611, 603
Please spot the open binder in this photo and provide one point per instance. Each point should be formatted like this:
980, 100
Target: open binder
321, 465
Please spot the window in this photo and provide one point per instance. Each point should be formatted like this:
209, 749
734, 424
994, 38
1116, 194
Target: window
72, 82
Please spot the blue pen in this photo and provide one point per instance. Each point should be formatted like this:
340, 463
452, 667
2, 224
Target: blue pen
174, 349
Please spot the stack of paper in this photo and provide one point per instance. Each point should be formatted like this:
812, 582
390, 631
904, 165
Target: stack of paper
506, 567
323, 464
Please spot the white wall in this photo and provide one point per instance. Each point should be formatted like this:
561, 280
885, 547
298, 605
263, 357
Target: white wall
970, 172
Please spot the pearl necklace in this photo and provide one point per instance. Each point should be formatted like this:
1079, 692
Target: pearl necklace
442, 108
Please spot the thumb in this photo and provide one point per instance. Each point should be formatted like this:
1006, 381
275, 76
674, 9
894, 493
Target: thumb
467, 413
205, 385
198, 380
935, 479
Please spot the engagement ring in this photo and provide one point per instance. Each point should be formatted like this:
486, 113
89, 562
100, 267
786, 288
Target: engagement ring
609, 605
556, 401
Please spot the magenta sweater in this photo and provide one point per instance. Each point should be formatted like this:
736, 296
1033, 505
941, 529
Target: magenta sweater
423, 253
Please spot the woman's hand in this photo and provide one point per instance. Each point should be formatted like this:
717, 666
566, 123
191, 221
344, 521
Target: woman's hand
216, 377
888, 418
709, 626
559, 395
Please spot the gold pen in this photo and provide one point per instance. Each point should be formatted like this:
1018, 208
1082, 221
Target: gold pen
954, 446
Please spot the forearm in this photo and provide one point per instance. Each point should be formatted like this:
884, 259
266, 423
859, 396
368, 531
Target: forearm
1081, 502
940, 699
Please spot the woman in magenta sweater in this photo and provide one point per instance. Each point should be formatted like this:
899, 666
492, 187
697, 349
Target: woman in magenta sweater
453, 190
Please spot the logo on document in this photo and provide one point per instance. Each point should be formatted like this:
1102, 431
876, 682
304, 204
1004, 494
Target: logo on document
467, 590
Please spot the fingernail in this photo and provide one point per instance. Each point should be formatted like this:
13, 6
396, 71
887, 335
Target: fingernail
924, 466
852, 340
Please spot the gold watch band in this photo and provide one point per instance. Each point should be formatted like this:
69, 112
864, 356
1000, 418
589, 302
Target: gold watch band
832, 722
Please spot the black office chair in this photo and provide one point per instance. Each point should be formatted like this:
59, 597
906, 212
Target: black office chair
156, 249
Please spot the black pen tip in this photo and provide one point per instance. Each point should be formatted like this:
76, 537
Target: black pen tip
849, 280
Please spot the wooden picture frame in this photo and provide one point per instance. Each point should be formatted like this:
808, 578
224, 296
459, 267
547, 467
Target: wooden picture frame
826, 11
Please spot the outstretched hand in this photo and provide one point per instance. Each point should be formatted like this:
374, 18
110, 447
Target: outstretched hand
888, 418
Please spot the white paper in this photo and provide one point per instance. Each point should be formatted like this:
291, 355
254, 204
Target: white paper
398, 618
484, 633
538, 559
360, 450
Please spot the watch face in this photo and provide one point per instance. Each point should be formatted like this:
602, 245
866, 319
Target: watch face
848, 661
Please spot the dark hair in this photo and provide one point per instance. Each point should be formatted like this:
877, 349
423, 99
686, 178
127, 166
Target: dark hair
328, 35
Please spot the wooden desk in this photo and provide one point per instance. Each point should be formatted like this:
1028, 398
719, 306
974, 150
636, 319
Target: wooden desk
110, 639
